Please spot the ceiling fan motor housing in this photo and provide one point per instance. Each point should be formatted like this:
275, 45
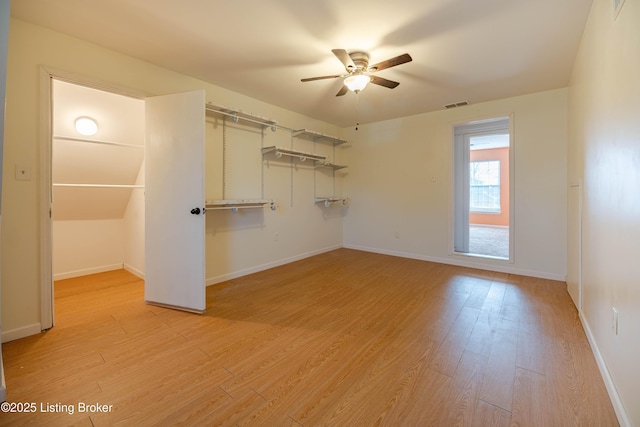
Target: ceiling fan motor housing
361, 61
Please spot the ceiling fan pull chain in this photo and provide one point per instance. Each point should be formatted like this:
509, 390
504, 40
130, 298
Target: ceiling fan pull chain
357, 111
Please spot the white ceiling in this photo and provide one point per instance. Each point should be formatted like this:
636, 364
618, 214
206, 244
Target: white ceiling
475, 50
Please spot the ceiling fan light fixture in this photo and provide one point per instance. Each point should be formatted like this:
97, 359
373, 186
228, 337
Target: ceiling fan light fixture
86, 126
357, 82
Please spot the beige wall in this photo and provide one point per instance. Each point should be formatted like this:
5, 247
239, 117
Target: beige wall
30, 47
604, 155
402, 171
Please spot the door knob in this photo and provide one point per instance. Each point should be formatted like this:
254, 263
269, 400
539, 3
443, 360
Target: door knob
195, 211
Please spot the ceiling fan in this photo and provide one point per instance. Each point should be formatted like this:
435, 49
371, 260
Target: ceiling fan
359, 73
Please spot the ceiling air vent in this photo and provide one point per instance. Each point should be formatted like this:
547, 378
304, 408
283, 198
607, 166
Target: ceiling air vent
457, 104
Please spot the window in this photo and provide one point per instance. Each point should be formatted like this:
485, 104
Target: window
484, 186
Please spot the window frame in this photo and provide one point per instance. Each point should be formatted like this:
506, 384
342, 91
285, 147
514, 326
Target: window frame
485, 210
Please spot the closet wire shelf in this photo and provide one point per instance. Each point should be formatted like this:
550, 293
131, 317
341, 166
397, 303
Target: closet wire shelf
330, 165
329, 201
98, 185
301, 155
237, 114
318, 136
235, 205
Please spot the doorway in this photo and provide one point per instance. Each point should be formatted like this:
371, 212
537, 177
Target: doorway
97, 181
482, 189
172, 237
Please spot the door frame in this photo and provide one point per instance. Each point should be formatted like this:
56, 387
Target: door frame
577, 216
47, 319
459, 133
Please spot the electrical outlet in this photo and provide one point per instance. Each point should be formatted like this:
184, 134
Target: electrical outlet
614, 319
396, 235
276, 236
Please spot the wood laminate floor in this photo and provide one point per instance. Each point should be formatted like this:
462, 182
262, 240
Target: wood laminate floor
345, 338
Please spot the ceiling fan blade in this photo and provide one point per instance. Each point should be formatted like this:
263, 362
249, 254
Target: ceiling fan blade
392, 62
342, 90
344, 57
310, 79
383, 82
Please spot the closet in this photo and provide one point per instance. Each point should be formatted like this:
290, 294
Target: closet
269, 188
97, 182
186, 193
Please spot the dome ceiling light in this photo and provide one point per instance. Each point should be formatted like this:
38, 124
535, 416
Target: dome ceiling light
86, 126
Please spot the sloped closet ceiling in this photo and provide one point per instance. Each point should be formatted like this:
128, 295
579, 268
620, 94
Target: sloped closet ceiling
121, 121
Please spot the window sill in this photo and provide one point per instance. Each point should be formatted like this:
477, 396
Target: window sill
486, 212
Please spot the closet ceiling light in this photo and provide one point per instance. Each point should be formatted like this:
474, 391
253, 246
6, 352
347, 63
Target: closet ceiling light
86, 126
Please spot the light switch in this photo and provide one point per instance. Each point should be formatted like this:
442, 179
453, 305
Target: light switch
23, 173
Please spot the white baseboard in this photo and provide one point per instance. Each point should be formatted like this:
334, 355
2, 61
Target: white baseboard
25, 331
135, 271
623, 419
234, 275
86, 271
463, 261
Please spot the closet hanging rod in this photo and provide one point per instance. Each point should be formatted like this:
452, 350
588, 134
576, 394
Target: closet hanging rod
97, 141
99, 185
239, 204
233, 208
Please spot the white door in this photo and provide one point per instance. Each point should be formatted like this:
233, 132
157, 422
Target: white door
174, 201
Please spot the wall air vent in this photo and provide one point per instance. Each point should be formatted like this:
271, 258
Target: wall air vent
457, 104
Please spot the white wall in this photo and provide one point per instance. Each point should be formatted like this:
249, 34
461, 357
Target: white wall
31, 46
400, 178
604, 111
87, 247
82, 247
